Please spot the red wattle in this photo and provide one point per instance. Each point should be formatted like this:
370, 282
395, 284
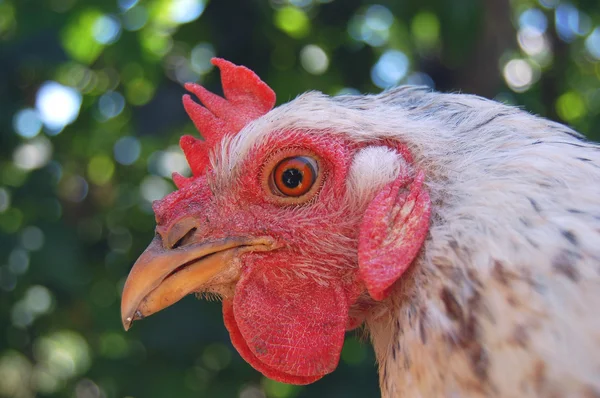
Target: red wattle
284, 332
240, 345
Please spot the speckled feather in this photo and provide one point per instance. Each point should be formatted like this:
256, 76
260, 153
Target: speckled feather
502, 299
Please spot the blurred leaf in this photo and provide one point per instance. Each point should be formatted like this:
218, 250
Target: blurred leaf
77, 36
292, 21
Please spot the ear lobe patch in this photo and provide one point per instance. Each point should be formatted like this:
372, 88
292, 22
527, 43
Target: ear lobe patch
392, 232
293, 327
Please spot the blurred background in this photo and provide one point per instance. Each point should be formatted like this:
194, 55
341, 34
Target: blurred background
90, 117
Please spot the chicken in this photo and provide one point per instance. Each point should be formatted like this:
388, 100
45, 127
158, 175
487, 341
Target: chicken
462, 233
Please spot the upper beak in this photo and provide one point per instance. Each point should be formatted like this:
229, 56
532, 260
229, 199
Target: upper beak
161, 277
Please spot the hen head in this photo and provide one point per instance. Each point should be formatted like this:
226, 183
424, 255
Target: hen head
298, 229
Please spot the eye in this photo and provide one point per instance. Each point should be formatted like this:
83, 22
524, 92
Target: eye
294, 176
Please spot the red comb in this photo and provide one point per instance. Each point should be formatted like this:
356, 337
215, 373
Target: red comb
246, 98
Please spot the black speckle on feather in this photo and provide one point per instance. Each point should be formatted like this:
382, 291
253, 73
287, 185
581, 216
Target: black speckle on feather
563, 263
422, 329
480, 125
535, 205
570, 236
453, 308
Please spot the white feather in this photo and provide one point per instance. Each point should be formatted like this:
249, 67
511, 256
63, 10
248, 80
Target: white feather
511, 192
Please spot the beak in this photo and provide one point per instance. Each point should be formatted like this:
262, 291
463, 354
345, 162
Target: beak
161, 277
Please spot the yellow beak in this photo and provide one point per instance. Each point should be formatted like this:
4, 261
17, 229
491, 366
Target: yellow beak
161, 277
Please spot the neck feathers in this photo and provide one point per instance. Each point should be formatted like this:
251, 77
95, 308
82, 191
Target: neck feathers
465, 322
503, 298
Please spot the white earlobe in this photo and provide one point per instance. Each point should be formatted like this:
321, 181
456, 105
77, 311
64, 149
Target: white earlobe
372, 168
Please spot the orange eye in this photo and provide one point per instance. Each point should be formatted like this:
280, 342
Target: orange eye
295, 176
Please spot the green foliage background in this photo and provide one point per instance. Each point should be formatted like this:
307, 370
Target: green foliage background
75, 197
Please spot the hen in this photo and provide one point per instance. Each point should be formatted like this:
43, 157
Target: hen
464, 234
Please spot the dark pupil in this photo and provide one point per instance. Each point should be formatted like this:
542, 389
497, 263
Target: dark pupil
291, 178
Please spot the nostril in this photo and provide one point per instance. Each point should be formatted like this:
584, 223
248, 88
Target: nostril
184, 239
178, 233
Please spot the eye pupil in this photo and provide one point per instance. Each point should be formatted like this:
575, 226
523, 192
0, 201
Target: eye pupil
292, 178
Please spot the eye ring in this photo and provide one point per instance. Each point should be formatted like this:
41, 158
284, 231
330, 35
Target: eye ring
294, 176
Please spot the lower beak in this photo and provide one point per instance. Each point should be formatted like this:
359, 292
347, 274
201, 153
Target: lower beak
161, 277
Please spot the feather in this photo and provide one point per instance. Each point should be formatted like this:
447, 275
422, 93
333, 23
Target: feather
503, 299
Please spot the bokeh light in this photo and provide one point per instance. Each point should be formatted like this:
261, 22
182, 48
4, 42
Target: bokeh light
107, 29
519, 75
592, 43
4, 199
77, 36
111, 104
139, 91
165, 163
125, 5
200, 58
74, 188
86, 388
15, 370
184, 11
378, 17
372, 26
18, 261
135, 18
571, 22
61, 356
314, 59
27, 123
7, 18
390, 69
36, 302
127, 150
533, 18
532, 41
420, 79
425, 28
33, 154
153, 188
292, 21
32, 238
570, 106
549, 4
57, 105
100, 169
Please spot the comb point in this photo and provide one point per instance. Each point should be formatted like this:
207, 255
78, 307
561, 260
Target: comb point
242, 86
196, 153
179, 180
246, 99
211, 128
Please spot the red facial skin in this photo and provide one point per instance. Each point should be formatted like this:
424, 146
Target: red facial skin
290, 307
278, 327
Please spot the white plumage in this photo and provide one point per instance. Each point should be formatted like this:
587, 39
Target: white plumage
504, 298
